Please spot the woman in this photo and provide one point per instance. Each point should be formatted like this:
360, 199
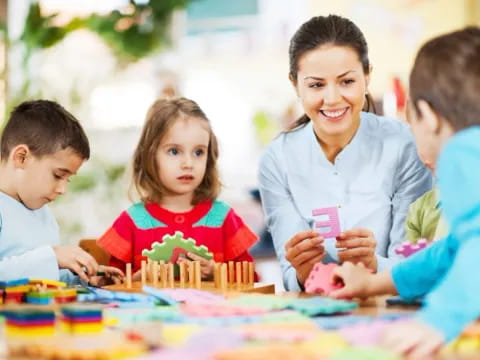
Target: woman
336, 155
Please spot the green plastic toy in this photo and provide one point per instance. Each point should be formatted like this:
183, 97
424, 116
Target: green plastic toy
172, 246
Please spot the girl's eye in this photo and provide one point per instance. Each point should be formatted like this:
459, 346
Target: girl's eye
199, 152
173, 151
58, 177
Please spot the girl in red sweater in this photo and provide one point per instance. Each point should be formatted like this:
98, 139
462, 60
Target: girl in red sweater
175, 173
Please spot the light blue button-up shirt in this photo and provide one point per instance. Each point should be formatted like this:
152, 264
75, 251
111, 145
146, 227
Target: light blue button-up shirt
372, 182
448, 270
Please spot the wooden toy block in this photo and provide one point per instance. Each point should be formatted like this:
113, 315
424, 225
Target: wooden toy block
407, 248
332, 223
143, 272
238, 273
231, 272
155, 273
129, 275
182, 267
191, 274
171, 275
198, 275
223, 277
190, 277
173, 245
245, 272
320, 279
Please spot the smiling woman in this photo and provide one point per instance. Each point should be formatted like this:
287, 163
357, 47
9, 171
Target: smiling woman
338, 156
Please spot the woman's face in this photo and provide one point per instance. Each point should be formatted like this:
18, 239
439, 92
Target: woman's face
331, 85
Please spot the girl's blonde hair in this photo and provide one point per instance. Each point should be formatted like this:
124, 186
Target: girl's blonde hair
160, 118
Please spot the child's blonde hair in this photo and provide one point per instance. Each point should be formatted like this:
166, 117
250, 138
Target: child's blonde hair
160, 118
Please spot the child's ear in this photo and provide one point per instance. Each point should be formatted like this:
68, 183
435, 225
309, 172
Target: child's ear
20, 153
431, 118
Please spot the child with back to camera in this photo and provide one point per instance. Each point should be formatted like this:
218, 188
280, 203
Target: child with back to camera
175, 173
444, 110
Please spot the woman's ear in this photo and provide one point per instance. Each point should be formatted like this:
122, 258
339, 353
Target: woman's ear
19, 155
431, 118
294, 83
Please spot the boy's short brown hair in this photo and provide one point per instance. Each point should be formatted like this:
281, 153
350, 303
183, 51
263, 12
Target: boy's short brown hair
45, 127
446, 74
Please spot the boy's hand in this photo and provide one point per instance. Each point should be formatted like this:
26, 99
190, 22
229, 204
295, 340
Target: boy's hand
111, 275
76, 259
358, 246
206, 266
414, 339
356, 280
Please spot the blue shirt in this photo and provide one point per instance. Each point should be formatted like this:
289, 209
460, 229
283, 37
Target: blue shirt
372, 181
26, 240
448, 270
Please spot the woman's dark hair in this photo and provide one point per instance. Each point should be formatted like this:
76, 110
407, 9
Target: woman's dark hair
446, 74
322, 30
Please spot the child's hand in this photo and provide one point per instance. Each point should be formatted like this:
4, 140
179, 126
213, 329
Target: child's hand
414, 339
76, 259
356, 280
206, 266
111, 275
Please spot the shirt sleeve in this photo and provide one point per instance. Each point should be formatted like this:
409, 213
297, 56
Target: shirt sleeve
412, 180
118, 239
282, 217
412, 278
238, 237
455, 303
413, 220
38, 263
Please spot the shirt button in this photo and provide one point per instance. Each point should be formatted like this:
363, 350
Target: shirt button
335, 173
339, 206
179, 219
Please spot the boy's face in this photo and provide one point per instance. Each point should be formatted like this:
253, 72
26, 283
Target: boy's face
182, 156
428, 144
41, 179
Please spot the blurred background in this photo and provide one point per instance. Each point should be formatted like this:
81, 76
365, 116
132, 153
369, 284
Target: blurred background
107, 61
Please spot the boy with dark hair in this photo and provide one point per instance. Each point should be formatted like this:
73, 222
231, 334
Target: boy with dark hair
41, 147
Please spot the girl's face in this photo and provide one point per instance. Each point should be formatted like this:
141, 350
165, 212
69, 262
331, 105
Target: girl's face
331, 84
182, 156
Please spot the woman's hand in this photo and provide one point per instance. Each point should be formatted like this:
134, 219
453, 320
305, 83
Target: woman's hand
358, 246
303, 251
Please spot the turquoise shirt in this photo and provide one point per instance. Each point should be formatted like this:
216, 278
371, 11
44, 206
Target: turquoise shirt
447, 270
372, 181
26, 240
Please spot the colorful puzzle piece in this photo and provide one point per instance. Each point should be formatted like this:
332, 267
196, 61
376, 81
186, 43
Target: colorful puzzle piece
320, 279
333, 223
172, 246
320, 305
407, 248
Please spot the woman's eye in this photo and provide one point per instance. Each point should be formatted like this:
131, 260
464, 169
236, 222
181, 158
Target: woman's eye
348, 81
316, 85
58, 177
